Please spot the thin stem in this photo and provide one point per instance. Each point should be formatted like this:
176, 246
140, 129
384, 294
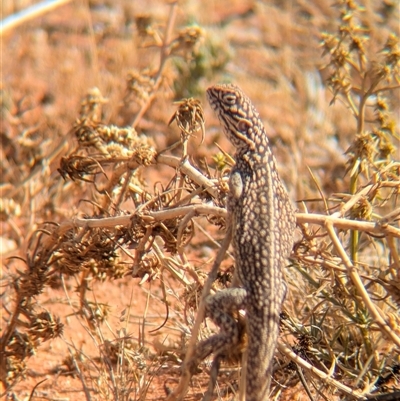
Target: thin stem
182, 387
164, 54
386, 88
354, 234
319, 373
355, 278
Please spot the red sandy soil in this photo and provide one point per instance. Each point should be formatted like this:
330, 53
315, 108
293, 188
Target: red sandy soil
50, 63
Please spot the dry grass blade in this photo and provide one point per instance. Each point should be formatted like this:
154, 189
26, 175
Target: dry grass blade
11, 22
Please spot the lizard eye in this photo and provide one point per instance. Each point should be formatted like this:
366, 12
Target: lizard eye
230, 99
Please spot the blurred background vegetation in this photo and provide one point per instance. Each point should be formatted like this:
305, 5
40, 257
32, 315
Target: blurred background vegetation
90, 86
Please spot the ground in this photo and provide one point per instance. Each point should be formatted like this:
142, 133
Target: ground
97, 66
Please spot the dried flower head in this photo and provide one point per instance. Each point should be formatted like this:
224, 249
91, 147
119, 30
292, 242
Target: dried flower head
44, 326
139, 85
91, 105
187, 41
189, 117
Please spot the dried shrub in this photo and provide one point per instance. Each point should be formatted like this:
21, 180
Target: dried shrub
340, 325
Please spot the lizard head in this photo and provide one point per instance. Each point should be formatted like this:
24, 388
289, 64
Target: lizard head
237, 115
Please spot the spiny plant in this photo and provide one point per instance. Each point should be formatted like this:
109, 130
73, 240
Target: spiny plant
361, 78
349, 326
107, 163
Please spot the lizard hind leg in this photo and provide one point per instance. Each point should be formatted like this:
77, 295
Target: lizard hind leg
229, 343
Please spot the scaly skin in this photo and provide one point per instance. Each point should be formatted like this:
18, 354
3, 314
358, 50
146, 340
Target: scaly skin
263, 224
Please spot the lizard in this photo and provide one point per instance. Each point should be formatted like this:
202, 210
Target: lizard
262, 220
